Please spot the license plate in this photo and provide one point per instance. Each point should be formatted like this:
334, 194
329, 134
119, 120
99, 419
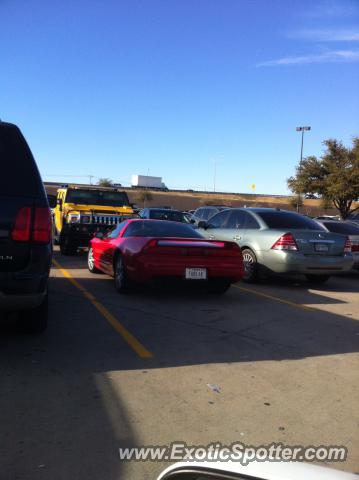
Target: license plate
321, 247
196, 273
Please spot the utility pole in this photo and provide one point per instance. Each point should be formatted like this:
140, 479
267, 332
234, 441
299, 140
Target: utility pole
301, 129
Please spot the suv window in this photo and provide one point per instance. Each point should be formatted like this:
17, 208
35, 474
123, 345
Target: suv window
19, 174
220, 219
284, 220
209, 212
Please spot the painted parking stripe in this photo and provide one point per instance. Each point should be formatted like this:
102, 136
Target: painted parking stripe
275, 299
111, 319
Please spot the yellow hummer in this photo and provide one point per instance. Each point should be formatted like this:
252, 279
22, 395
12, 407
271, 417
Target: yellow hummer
82, 211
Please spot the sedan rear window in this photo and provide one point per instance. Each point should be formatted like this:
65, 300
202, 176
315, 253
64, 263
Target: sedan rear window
19, 174
288, 220
148, 228
341, 227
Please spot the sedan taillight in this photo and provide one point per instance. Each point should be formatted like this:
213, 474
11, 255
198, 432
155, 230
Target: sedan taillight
286, 242
348, 245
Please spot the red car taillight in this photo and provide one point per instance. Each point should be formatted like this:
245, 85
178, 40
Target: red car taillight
22, 228
285, 242
348, 246
41, 231
355, 246
42, 226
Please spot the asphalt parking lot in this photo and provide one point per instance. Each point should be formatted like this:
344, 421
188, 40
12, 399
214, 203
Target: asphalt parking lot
114, 371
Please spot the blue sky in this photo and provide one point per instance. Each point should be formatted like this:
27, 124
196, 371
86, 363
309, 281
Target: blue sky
167, 87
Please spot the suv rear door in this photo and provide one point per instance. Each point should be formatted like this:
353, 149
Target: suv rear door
20, 188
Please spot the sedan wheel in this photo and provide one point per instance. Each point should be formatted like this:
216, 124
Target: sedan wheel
250, 266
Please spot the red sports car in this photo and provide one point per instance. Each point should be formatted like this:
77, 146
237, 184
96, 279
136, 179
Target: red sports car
141, 251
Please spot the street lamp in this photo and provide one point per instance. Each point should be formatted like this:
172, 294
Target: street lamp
301, 129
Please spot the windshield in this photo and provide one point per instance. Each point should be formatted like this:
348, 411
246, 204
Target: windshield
284, 220
97, 197
147, 228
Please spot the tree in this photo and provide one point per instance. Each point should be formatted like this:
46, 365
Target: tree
144, 196
296, 201
334, 176
105, 182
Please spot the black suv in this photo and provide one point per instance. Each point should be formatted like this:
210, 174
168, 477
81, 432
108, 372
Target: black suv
25, 233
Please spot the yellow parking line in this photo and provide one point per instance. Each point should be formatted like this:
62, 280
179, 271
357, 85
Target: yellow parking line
125, 334
276, 299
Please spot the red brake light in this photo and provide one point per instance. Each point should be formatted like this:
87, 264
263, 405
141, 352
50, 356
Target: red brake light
21, 230
42, 226
348, 245
285, 242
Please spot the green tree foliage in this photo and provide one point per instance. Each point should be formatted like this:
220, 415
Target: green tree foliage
334, 176
105, 182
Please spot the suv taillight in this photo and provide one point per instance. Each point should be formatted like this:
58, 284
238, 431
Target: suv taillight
42, 226
22, 228
348, 245
285, 242
41, 231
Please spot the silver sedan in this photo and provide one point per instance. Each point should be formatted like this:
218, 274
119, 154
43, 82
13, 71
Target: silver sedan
279, 241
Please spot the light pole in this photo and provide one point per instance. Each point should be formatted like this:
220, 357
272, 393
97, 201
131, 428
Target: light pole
301, 129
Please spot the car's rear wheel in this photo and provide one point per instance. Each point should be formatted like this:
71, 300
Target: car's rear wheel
91, 262
250, 266
218, 287
67, 247
34, 320
122, 282
317, 279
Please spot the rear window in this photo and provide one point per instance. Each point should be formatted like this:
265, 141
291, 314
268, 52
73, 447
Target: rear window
19, 174
147, 228
345, 228
171, 215
288, 220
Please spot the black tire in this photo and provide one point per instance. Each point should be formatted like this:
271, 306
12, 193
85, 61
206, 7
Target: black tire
218, 287
91, 262
317, 279
250, 266
34, 320
67, 247
55, 237
122, 282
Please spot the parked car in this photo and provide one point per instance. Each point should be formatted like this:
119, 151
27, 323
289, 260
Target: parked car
353, 217
279, 241
348, 229
205, 213
25, 233
143, 251
164, 214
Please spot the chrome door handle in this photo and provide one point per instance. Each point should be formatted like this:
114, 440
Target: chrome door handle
237, 237
211, 237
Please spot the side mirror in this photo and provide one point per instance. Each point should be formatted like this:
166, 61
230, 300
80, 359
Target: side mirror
99, 235
203, 224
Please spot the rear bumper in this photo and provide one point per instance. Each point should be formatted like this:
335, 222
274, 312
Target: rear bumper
27, 288
150, 268
294, 262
